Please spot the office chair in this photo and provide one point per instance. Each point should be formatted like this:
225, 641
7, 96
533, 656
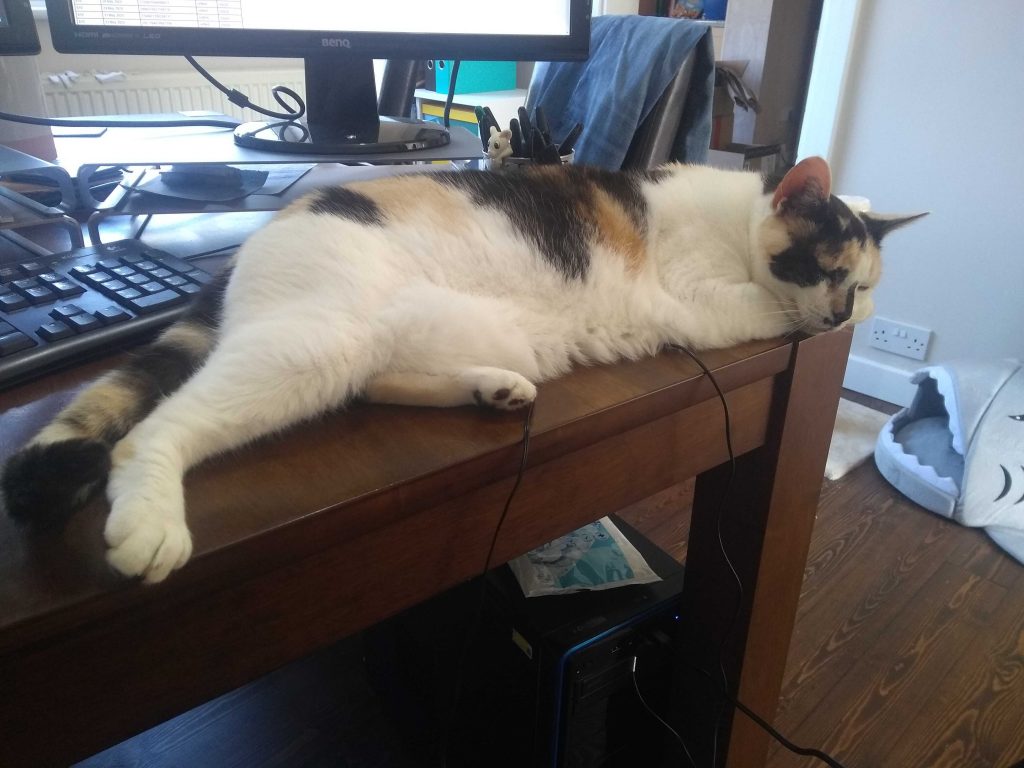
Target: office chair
643, 97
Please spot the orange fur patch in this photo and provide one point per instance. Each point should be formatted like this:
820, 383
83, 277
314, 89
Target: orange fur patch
616, 230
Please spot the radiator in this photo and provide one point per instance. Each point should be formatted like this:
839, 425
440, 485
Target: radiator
153, 92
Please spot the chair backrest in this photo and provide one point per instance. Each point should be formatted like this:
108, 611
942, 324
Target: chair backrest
655, 137
397, 87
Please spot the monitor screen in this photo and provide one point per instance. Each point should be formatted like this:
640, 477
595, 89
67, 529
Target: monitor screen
338, 41
449, 29
17, 29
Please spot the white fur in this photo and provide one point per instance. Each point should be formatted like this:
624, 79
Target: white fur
321, 309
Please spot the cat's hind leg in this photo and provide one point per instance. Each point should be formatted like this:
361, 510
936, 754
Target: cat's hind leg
250, 386
450, 348
490, 387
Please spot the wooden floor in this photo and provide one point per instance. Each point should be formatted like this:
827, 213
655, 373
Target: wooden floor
909, 644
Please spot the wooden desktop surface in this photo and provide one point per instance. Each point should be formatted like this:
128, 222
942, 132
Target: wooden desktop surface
311, 535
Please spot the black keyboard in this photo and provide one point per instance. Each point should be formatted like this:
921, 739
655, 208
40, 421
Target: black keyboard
61, 309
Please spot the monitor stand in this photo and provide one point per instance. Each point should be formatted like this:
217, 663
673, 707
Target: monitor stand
341, 117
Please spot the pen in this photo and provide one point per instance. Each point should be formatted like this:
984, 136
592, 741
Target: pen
481, 121
542, 123
524, 122
491, 120
570, 141
517, 138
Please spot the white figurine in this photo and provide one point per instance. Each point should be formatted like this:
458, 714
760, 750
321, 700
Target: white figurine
499, 146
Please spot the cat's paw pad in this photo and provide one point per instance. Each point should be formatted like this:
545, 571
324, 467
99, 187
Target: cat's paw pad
145, 543
504, 390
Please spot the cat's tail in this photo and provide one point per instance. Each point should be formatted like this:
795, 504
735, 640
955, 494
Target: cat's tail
69, 460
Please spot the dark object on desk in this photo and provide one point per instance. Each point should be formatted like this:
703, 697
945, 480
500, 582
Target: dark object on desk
644, 95
548, 677
90, 301
210, 183
17, 29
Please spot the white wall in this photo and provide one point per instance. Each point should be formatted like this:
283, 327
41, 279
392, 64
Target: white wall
930, 119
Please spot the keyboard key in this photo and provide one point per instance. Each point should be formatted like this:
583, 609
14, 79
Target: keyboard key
155, 301
173, 263
50, 277
12, 301
131, 258
8, 274
175, 280
54, 331
83, 322
129, 293
64, 311
161, 272
199, 276
153, 287
6, 328
123, 271
146, 265
138, 278
83, 269
189, 288
110, 264
40, 295
111, 315
23, 285
113, 286
33, 268
66, 289
14, 342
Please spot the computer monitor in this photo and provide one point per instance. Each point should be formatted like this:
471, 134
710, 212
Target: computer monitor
338, 41
17, 29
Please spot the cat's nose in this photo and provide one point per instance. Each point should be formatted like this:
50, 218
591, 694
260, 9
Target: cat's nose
837, 319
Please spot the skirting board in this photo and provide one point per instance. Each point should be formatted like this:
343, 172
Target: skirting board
875, 379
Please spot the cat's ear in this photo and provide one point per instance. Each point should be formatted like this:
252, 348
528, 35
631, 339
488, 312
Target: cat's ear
805, 186
880, 224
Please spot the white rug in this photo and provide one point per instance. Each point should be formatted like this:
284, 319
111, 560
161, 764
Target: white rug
853, 439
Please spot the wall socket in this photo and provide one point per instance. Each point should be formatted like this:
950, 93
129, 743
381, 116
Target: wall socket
900, 339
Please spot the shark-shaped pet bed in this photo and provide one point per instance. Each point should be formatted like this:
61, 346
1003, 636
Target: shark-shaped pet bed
958, 450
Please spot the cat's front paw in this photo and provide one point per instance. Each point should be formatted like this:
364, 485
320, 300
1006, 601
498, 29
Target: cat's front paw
501, 389
145, 541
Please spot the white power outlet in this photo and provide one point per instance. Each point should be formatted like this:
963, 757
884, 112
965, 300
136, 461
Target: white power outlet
900, 339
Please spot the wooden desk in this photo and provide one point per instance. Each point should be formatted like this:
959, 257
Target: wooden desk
339, 523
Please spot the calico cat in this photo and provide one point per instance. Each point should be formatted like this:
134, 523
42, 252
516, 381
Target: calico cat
444, 289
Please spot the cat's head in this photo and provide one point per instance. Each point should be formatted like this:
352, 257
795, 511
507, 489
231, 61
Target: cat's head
822, 258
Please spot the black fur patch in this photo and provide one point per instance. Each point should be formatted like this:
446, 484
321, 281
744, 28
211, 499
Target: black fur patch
546, 207
156, 371
806, 261
339, 201
44, 484
798, 265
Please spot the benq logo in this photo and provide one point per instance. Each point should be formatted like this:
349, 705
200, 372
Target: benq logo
335, 42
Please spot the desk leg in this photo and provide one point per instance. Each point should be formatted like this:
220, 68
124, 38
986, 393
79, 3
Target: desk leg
766, 528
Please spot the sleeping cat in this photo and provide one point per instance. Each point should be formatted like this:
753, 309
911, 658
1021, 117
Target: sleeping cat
444, 289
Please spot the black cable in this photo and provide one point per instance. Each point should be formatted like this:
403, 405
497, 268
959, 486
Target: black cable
474, 630
656, 716
239, 99
795, 748
451, 91
127, 122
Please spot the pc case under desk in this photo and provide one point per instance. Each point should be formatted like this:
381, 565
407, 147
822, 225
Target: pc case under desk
547, 682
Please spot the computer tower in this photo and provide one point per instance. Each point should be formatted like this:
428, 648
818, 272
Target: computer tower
544, 681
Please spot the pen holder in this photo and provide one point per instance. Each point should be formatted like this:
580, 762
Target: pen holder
517, 164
